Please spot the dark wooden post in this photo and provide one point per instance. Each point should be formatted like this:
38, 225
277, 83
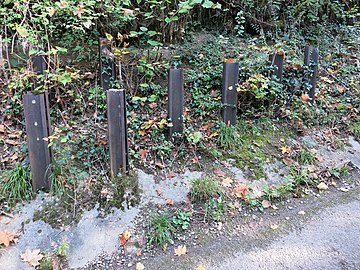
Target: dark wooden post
277, 61
117, 129
311, 60
229, 92
36, 109
176, 100
107, 64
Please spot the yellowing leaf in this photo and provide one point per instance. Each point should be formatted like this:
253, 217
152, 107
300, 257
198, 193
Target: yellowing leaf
200, 267
22, 31
32, 257
6, 237
139, 266
180, 250
108, 36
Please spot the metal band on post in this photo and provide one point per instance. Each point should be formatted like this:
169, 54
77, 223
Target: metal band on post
117, 130
229, 92
176, 100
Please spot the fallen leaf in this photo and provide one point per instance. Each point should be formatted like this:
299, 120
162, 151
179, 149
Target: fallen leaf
139, 266
322, 186
6, 237
159, 191
180, 250
200, 267
160, 165
32, 257
274, 226
241, 190
266, 203
344, 189
143, 153
285, 150
274, 207
219, 173
171, 175
124, 237
170, 202
304, 97
2, 129
227, 182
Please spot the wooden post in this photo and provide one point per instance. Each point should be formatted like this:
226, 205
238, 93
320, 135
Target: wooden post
36, 109
107, 64
277, 61
229, 92
117, 129
311, 59
176, 100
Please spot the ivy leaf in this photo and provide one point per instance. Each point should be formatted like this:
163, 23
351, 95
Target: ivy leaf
171, 19
108, 36
207, 4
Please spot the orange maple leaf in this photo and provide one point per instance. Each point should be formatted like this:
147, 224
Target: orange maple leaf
124, 237
241, 190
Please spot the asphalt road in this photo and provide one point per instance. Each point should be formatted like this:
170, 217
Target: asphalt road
330, 240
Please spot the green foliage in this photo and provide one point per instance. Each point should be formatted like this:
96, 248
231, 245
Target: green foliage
202, 189
215, 209
16, 186
63, 249
161, 228
182, 219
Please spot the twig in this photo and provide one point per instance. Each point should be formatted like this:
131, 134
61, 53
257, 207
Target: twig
6, 214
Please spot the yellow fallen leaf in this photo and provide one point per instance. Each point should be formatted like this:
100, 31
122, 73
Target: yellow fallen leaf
200, 267
285, 150
139, 266
322, 186
274, 226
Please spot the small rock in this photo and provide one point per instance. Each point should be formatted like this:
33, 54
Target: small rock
344, 189
301, 212
322, 186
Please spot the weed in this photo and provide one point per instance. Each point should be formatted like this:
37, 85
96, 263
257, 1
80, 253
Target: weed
305, 157
356, 129
203, 189
17, 186
215, 209
63, 249
228, 137
339, 170
161, 229
182, 219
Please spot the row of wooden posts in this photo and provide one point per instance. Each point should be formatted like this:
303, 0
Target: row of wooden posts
37, 117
